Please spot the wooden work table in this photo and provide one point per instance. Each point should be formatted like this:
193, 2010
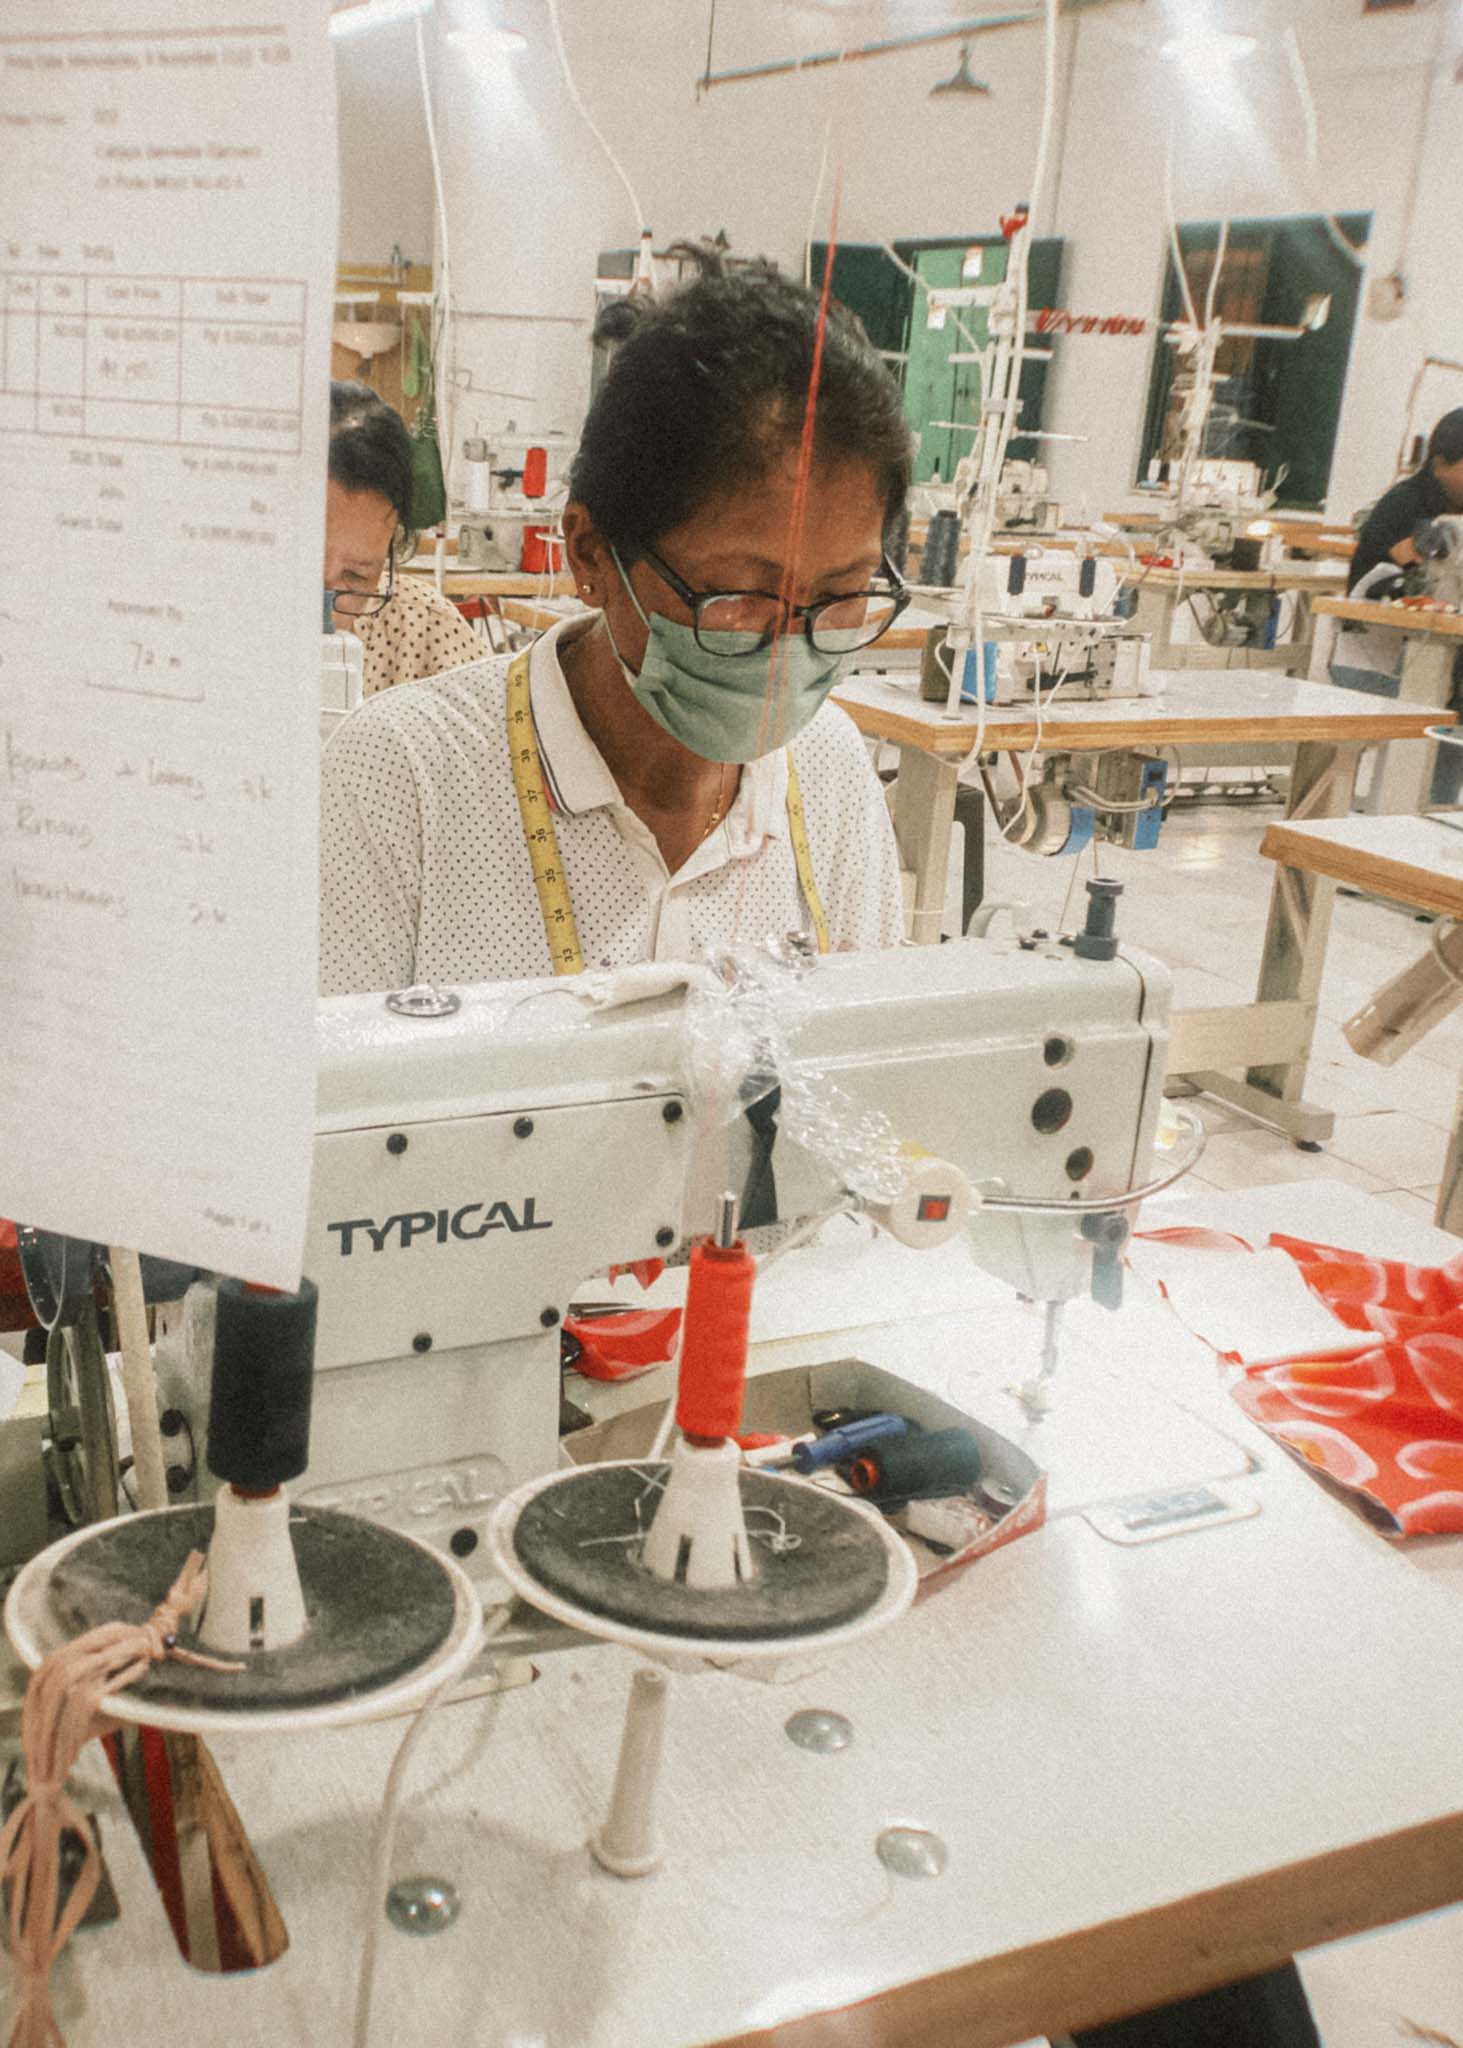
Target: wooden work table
1301, 536
1417, 861
1312, 576
1430, 644
1155, 1768
1413, 861
1186, 705
1405, 618
1253, 1054
491, 582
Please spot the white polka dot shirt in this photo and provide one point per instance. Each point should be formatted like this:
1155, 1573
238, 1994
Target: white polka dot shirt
425, 875
420, 633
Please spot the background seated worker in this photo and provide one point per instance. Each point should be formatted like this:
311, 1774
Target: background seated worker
1388, 529
680, 776
406, 627
1370, 657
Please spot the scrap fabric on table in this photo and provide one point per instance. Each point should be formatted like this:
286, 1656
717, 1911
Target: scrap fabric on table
1385, 1419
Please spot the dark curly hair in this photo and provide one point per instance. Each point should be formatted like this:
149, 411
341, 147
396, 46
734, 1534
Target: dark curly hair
1445, 443
370, 448
706, 392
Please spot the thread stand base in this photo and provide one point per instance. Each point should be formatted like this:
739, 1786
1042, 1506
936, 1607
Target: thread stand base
828, 1568
387, 1619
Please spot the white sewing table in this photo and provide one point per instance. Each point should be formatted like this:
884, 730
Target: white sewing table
1253, 1054
1430, 644
1155, 1768
1414, 861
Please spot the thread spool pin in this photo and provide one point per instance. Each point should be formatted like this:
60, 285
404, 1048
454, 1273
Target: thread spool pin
628, 1845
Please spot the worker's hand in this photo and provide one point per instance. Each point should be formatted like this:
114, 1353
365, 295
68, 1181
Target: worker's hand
1405, 553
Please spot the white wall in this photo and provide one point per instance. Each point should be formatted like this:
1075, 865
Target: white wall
385, 172
531, 198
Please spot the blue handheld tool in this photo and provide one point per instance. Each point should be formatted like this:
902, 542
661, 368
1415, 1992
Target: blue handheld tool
839, 1445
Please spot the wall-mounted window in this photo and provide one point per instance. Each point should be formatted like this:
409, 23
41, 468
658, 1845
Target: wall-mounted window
1277, 402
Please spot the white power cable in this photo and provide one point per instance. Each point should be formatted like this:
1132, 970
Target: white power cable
1028, 762
590, 123
922, 284
386, 1840
1409, 208
1302, 83
443, 379
1010, 398
1173, 229
813, 209
1221, 250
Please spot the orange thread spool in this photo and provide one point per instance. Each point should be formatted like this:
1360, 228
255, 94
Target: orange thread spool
714, 1341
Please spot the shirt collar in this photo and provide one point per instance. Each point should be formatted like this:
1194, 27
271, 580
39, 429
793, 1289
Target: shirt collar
578, 779
574, 768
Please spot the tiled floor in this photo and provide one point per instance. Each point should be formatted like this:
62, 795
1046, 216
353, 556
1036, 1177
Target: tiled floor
1199, 903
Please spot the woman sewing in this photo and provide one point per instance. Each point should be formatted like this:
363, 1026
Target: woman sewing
660, 773
407, 629
665, 773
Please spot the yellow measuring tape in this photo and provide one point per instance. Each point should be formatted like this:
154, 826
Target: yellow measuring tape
555, 908
542, 841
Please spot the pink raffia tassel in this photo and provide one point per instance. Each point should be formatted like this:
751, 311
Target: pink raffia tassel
60, 1716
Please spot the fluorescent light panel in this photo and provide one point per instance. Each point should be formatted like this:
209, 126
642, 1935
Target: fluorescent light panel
1208, 46
369, 14
491, 40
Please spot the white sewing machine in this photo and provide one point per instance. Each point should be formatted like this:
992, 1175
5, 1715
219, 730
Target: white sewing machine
474, 1169
342, 675
1023, 498
1049, 614
1440, 545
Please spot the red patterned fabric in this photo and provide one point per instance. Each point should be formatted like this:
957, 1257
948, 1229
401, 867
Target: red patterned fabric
15, 1308
1387, 1420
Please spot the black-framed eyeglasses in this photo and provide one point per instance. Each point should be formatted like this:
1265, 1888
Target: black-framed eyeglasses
364, 604
752, 619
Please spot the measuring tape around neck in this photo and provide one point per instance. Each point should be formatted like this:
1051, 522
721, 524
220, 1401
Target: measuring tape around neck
555, 907
539, 835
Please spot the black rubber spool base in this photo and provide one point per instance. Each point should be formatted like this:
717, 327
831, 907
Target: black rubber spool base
838, 1571
378, 1605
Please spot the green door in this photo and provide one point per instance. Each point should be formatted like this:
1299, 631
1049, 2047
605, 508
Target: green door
898, 319
937, 389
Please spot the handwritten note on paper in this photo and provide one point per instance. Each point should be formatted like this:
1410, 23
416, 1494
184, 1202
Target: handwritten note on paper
167, 262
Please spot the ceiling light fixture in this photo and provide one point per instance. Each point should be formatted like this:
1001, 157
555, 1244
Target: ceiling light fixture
361, 15
1208, 46
506, 41
963, 81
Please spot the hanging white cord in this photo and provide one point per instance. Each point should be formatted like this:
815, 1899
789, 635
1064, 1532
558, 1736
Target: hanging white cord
1404, 235
1302, 84
914, 277
1173, 230
386, 1840
443, 359
980, 541
817, 202
590, 123
1219, 255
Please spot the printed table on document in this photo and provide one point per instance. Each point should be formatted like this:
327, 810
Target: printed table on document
170, 361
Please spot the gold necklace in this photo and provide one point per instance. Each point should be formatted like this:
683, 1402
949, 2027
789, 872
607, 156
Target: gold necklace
718, 809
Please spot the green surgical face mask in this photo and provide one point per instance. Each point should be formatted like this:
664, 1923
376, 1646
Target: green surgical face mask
717, 705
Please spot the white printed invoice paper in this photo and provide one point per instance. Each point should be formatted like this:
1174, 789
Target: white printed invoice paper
167, 264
